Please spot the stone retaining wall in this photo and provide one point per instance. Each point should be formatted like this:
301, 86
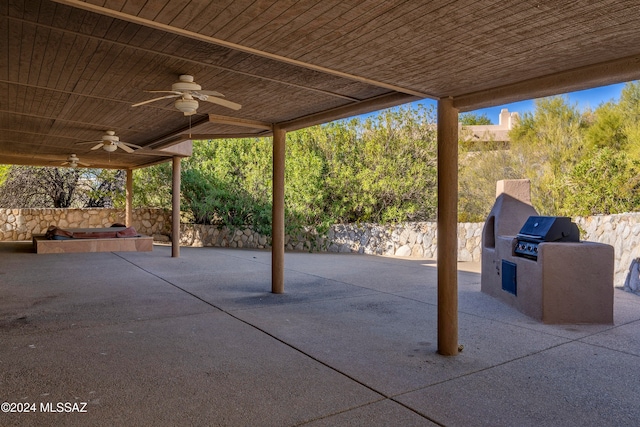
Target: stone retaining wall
406, 240
21, 224
622, 231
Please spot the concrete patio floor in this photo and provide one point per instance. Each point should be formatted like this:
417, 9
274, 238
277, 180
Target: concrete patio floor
146, 339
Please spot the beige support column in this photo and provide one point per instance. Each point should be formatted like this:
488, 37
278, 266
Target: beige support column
129, 200
277, 212
447, 228
175, 208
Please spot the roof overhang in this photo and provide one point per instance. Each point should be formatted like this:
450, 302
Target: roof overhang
73, 69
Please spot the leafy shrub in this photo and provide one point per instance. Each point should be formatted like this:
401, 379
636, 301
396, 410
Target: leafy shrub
209, 201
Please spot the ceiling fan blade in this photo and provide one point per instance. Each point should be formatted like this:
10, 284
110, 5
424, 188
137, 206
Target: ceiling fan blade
129, 144
88, 142
125, 148
207, 92
175, 92
97, 146
84, 164
223, 102
155, 99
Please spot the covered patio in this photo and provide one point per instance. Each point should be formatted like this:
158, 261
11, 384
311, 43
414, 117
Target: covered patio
214, 336
144, 339
126, 76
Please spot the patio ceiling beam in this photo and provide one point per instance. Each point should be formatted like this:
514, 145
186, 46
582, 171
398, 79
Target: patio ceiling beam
235, 46
52, 160
377, 103
206, 136
226, 120
605, 73
372, 104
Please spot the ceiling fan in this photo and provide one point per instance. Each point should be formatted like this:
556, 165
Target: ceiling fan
188, 93
110, 142
73, 161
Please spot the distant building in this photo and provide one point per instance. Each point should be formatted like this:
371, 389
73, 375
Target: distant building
495, 133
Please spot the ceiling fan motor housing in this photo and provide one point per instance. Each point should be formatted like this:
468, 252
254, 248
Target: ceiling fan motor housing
186, 84
110, 137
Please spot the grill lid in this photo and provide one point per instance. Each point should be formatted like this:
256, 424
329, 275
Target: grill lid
549, 229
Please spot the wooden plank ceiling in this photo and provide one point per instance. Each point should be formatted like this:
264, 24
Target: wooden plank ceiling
71, 69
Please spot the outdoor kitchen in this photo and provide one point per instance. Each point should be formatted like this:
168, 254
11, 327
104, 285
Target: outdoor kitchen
539, 265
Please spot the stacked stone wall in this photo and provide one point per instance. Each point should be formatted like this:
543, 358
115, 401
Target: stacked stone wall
622, 231
404, 240
22, 224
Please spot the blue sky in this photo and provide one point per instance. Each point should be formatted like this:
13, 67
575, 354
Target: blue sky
591, 98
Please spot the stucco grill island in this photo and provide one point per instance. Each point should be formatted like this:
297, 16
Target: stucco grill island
540, 266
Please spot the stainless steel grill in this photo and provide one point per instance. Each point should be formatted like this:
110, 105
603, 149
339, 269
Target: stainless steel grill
540, 229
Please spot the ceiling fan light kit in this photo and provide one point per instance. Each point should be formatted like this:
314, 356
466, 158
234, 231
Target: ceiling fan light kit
187, 106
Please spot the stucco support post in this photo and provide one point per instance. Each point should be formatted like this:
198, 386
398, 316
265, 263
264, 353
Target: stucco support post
129, 201
447, 233
277, 212
175, 208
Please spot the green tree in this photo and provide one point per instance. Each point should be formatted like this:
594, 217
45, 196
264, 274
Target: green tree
604, 183
473, 119
605, 180
196, 193
208, 201
478, 171
546, 145
103, 188
306, 168
4, 172
630, 109
399, 166
606, 128
152, 186
381, 169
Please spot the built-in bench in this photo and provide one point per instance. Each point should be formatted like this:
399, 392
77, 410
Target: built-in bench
93, 240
